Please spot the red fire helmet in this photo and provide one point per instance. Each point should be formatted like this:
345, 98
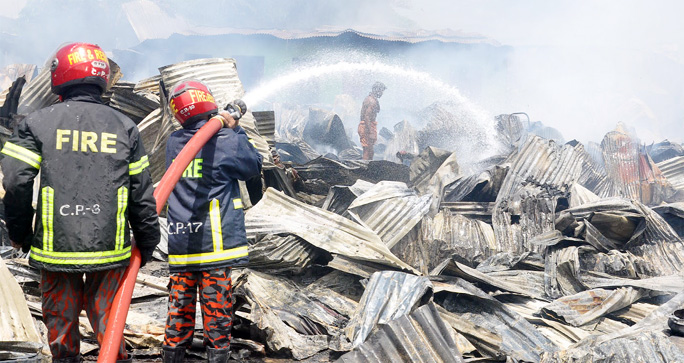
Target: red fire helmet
79, 63
191, 101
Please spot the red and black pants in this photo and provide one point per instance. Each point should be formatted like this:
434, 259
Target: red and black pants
65, 295
215, 295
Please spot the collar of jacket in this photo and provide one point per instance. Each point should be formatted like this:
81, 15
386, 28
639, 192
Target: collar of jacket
195, 125
84, 92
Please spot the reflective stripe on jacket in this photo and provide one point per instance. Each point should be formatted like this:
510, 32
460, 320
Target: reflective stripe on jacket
93, 182
206, 221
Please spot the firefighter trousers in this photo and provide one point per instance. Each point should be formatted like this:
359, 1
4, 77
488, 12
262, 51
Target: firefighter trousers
65, 295
216, 301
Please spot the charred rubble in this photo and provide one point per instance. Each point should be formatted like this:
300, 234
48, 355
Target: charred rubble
550, 251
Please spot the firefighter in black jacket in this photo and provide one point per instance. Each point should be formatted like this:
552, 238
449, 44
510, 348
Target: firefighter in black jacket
206, 223
94, 189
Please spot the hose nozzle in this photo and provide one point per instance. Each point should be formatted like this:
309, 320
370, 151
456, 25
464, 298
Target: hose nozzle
237, 109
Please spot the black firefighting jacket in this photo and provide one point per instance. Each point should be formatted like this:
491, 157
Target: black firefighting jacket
93, 183
206, 220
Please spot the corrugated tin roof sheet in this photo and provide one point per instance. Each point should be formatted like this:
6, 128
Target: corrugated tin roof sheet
388, 295
293, 317
278, 213
673, 170
656, 242
486, 321
540, 172
37, 93
421, 336
265, 124
136, 105
587, 306
446, 234
16, 323
391, 209
630, 167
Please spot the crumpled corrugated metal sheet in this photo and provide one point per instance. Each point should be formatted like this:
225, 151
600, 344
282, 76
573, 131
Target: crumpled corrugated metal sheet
341, 196
150, 131
37, 93
505, 261
673, 214
135, 105
651, 347
479, 187
277, 254
424, 166
150, 84
421, 336
390, 209
278, 213
479, 316
665, 150
587, 306
654, 241
16, 323
220, 75
296, 151
540, 172
636, 175
562, 271
265, 124
388, 296
448, 234
641, 342
673, 170
294, 319
593, 173
580, 195
660, 285
533, 287
347, 172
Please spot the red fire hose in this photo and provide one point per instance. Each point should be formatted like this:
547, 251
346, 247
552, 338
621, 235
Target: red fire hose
122, 299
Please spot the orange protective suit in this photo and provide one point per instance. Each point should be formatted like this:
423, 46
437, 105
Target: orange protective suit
368, 127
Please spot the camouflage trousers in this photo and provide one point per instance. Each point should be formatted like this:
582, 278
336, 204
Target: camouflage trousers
65, 295
215, 293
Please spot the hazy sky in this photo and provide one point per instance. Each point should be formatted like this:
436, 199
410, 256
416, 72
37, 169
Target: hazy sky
581, 65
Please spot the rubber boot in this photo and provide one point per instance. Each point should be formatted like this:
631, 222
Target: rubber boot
218, 355
173, 354
75, 359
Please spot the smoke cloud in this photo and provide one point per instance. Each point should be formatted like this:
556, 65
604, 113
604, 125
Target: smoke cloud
580, 67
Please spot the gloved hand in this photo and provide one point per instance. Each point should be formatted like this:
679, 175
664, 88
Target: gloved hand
145, 255
237, 109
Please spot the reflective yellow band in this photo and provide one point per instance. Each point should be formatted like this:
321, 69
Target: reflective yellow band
23, 154
209, 257
215, 218
251, 141
80, 258
121, 203
237, 203
47, 216
138, 166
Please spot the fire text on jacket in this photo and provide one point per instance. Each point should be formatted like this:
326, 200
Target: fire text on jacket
86, 141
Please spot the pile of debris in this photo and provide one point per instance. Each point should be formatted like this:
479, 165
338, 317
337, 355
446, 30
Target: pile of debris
549, 252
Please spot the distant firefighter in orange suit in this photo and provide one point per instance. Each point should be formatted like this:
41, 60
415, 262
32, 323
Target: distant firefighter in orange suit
368, 127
